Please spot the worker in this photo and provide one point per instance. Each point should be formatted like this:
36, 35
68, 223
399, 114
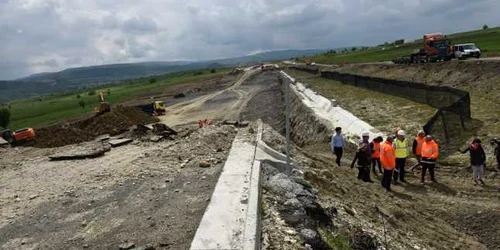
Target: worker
430, 153
388, 160
401, 150
477, 160
375, 146
363, 164
337, 144
417, 148
365, 137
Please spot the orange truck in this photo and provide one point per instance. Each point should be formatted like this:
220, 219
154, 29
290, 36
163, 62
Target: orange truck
436, 48
18, 137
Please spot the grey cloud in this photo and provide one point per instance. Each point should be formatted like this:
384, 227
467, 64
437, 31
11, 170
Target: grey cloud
80, 33
73, 61
140, 25
51, 63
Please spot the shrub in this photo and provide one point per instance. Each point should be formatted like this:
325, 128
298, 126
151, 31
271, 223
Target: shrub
4, 117
81, 103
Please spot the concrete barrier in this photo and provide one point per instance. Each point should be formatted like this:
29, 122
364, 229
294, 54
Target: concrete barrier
223, 224
351, 125
232, 218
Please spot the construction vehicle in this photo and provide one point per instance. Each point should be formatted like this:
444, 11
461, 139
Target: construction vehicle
436, 48
18, 137
104, 106
155, 108
159, 108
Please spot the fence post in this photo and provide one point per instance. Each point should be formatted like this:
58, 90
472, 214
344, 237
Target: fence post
444, 127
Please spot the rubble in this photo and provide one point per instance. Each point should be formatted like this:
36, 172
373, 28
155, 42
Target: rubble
119, 142
204, 164
81, 151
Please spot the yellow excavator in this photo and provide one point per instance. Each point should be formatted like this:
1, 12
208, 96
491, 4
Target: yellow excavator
104, 106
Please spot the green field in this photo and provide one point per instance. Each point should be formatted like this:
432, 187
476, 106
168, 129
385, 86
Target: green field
487, 40
51, 109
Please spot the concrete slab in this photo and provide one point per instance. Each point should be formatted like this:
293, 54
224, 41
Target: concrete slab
224, 223
3, 143
79, 153
251, 237
119, 142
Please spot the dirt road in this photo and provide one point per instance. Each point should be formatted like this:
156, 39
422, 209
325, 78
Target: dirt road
225, 104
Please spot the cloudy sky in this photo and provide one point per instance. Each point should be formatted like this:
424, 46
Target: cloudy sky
50, 35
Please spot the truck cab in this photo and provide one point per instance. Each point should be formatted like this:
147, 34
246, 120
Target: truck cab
466, 50
437, 47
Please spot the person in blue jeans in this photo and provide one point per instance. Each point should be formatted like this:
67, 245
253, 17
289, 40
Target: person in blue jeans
337, 144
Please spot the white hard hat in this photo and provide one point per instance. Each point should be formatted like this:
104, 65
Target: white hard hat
401, 133
365, 133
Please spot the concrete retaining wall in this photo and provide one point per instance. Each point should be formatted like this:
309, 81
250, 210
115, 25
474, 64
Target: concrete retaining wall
314, 118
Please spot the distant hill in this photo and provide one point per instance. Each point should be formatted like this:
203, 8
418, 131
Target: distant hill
75, 79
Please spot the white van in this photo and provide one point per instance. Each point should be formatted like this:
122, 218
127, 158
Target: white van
466, 50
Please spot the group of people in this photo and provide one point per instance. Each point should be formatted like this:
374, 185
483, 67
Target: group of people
389, 157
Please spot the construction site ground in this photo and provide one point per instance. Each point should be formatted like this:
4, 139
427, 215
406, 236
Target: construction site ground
149, 194
481, 79
143, 193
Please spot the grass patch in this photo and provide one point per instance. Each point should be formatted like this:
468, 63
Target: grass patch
337, 242
486, 40
51, 109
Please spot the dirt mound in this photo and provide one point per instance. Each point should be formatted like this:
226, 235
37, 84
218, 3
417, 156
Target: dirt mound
113, 123
481, 224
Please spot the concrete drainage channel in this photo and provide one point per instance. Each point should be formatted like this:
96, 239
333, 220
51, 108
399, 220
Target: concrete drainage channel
232, 219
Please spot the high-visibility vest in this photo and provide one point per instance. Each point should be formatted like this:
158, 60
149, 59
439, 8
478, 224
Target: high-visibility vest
420, 142
401, 148
387, 157
430, 150
376, 150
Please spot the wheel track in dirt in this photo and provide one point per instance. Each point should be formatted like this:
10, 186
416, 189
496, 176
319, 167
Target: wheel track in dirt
178, 114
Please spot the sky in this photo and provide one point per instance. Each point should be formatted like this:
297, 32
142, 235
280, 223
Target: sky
51, 35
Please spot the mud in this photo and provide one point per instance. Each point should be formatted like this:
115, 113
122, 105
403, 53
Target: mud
117, 121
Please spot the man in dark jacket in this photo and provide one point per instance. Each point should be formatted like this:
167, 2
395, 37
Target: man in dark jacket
477, 160
363, 163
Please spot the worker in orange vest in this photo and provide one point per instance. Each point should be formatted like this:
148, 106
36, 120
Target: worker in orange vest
417, 148
388, 160
375, 146
430, 153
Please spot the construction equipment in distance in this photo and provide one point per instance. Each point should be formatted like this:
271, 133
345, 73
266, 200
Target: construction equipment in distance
18, 137
159, 108
104, 106
155, 108
436, 48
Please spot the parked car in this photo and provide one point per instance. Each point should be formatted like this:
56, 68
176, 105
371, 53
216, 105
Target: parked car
466, 50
